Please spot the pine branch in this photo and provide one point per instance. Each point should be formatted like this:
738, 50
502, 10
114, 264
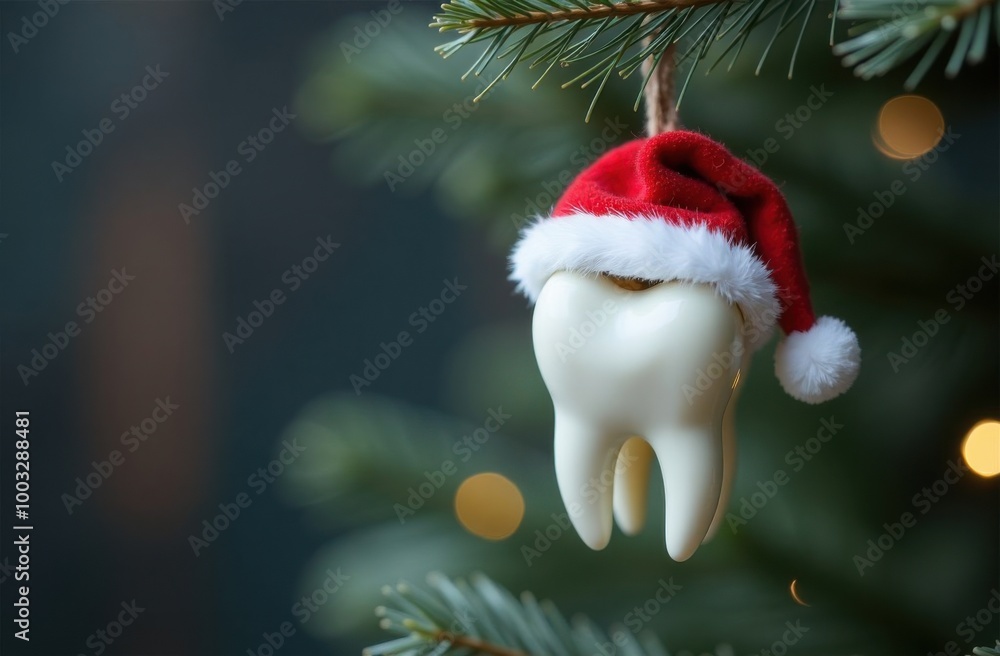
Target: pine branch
481, 617
478, 646
893, 32
607, 37
447, 22
987, 651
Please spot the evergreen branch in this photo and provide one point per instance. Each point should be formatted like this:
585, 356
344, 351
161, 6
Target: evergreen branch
462, 21
608, 36
620, 36
481, 617
891, 33
478, 645
987, 651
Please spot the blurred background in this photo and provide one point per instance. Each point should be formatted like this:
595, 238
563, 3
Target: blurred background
251, 175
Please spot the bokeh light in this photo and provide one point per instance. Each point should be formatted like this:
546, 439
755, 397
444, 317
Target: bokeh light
489, 505
981, 448
908, 126
792, 589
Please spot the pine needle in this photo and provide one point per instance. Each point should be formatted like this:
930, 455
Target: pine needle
482, 617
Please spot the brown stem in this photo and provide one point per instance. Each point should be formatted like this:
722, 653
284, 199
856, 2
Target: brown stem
594, 11
478, 645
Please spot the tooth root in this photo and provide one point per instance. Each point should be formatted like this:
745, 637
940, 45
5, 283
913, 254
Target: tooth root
632, 485
728, 453
691, 461
728, 470
585, 458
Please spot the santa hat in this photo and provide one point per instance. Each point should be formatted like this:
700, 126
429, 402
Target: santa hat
679, 206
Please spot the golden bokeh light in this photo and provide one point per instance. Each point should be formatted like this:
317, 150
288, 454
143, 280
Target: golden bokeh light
489, 506
795, 594
908, 126
981, 448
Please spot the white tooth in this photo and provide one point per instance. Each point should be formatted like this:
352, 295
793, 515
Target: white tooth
585, 460
620, 364
728, 451
691, 461
632, 485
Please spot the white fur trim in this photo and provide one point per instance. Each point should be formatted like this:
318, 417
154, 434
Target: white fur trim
820, 363
652, 249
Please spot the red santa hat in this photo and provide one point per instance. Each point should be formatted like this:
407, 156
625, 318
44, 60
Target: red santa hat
679, 206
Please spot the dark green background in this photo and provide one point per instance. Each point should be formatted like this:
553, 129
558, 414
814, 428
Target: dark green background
455, 217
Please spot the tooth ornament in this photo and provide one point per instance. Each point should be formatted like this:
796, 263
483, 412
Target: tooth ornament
663, 267
640, 348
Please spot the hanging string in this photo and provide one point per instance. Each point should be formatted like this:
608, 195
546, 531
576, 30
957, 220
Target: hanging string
661, 110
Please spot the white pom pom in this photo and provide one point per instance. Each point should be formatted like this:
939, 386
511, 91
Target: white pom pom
820, 363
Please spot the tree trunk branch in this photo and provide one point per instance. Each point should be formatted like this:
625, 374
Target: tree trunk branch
594, 11
478, 645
